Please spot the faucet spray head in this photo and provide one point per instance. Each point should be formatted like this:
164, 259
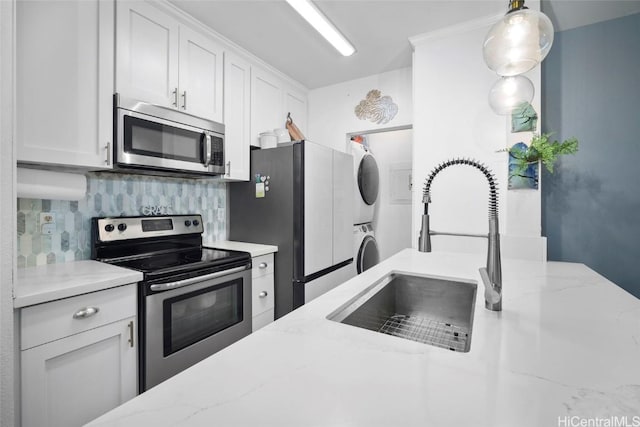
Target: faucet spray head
424, 239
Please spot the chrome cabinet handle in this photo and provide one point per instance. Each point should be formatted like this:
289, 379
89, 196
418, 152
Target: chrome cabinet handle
85, 312
107, 148
262, 265
130, 340
263, 294
175, 97
184, 100
228, 168
192, 280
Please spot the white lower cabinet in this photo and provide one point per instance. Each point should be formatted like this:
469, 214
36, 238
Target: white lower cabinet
262, 301
78, 358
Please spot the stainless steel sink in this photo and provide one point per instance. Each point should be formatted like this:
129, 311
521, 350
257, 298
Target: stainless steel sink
428, 309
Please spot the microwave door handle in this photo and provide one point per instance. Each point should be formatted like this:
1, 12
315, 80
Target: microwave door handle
208, 153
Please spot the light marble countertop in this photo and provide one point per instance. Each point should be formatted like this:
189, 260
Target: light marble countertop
36, 285
254, 249
567, 344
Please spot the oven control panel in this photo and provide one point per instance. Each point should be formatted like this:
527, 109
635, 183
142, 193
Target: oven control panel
127, 228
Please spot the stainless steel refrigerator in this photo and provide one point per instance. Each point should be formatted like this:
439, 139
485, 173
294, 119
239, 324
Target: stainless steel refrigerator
300, 199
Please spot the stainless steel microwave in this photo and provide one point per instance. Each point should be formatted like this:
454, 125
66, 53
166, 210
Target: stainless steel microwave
160, 140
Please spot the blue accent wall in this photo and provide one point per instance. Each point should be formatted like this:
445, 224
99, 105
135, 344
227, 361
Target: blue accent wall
591, 203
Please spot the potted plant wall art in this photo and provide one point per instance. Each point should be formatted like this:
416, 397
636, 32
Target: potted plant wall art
524, 159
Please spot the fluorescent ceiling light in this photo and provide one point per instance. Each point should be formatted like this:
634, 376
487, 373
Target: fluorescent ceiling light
308, 11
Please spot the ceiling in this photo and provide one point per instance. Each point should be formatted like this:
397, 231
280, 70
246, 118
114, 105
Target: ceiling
274, 32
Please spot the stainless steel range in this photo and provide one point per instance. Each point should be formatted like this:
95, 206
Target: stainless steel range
192, 302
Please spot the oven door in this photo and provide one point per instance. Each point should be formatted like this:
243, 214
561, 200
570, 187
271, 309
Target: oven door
186, 323
151, 142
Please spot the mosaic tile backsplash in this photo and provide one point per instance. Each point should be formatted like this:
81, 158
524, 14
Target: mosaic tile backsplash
113, 195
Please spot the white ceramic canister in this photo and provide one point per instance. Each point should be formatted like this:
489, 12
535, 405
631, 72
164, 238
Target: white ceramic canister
282, 135
268, 140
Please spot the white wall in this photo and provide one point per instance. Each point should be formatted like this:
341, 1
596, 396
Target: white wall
452, 118
392, 219
331, 108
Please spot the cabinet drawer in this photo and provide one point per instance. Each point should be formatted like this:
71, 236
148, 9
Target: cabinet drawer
262, 265
262, 294
50, 321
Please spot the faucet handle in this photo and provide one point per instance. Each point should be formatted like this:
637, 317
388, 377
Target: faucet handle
492, 292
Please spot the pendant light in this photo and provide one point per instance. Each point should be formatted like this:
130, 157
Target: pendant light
510, 92
519, 41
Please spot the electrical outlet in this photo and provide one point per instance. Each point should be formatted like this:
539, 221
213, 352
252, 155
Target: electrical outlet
47, 222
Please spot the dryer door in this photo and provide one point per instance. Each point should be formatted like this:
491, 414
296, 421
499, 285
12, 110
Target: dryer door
368, 254
368, 179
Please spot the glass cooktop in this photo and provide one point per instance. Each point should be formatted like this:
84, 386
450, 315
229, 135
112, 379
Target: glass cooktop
180, 261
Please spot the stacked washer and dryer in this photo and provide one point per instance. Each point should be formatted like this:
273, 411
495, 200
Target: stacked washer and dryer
367, 183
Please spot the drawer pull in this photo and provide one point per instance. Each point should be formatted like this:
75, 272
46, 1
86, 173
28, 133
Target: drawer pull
263, 294
83, 313
131, 333
262, 265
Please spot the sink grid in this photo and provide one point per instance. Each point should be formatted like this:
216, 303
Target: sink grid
426, 331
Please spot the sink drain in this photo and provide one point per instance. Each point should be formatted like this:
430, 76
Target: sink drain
426, 331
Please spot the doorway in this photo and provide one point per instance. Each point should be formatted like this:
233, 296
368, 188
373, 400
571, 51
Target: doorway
392, 149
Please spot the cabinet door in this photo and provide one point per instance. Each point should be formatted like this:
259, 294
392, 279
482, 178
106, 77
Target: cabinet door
200, 73
147, 54
73, 380
296, 103
64, 82
267, 111
237, 113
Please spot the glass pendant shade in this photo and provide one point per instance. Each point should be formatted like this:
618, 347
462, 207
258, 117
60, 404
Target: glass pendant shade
518, 42
509, 92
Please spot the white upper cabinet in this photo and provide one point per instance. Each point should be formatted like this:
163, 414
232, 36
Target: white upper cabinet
295, 103
163, 62
147, 54
72, 56
200, 72
272, 98
237, 116
64, 82
267, 96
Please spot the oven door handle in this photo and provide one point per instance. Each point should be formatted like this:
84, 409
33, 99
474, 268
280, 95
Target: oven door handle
186, 282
